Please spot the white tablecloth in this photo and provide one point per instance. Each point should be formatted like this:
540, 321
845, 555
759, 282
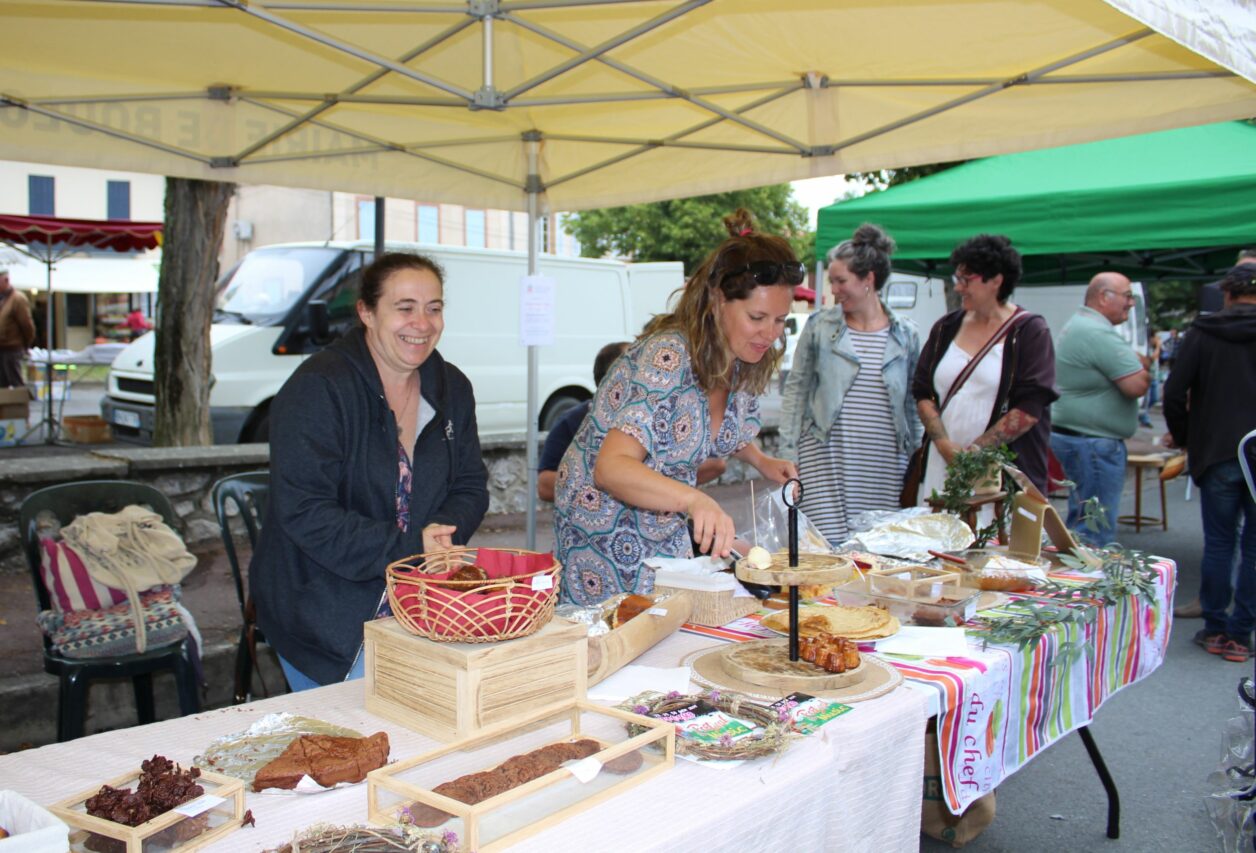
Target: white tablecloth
854, 786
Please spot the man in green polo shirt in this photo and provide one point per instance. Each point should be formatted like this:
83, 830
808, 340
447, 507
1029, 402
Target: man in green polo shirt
1100, 379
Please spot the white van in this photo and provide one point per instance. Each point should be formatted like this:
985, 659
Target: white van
271, 306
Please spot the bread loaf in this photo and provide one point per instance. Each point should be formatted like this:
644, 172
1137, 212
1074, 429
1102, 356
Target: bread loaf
326, 759
512, 773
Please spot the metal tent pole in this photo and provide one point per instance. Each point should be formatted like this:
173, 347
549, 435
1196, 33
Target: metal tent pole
379, 225
50, 431
532, 142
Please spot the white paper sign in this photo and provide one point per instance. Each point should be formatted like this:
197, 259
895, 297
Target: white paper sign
540, 582
586, 769
200, 804
536, 311
657, 611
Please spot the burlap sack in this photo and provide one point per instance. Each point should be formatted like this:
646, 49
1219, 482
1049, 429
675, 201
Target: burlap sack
936, 820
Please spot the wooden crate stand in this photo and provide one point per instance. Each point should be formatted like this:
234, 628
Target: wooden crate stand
72, 811
450, 691
657, 732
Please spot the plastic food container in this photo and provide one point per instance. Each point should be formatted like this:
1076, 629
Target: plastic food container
953, 607
1003, 571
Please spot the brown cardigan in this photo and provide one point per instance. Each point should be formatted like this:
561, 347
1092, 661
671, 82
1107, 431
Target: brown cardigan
1027, 383
17, 329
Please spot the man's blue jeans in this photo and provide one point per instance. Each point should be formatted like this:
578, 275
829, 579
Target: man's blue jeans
1097, 468
298, 681
1226, 506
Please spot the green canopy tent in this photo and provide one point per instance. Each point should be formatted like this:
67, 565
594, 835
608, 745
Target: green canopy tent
1175, 204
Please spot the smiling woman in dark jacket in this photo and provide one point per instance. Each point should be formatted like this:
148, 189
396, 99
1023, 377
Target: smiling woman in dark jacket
353, 428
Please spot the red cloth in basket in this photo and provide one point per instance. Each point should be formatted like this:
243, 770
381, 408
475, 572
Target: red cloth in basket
453, 610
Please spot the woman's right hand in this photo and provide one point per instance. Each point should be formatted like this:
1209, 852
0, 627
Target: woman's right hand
712, 527
947, 449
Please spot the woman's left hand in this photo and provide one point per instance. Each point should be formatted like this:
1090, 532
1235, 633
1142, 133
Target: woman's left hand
777, 470
438, 537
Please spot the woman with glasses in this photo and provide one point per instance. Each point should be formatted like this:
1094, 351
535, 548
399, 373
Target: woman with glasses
848, 416
683, 392
986, 374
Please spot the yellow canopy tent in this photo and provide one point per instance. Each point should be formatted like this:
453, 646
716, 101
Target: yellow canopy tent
590, 103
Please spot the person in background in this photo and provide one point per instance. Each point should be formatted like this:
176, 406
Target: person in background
564, 431
1006, 396
17, 332
1100, 379
684, 392
136, 323
848, 417
374, 456
1209, 405
1153, 388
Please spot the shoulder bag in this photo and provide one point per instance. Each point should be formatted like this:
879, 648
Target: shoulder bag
910, 494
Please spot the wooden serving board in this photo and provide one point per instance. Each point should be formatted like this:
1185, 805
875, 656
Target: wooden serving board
811, 569
610, 652
767, 664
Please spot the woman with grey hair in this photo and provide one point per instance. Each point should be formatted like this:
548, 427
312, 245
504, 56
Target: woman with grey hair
848, 416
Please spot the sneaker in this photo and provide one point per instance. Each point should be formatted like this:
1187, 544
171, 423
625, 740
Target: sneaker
1210, 642
1233, 650
1189, 611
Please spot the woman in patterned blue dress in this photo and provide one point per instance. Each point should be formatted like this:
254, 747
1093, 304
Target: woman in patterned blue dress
685, 391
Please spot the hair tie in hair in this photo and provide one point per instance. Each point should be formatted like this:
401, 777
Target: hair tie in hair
745, 232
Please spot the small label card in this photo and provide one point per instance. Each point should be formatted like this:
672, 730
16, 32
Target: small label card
540, 582
657, 611
703, 722
586, 769
808, 713
201, 804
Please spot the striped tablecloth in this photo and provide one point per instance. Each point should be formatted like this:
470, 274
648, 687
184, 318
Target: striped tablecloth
999, 706
853, 786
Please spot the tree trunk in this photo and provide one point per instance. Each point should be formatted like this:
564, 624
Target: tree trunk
196, 212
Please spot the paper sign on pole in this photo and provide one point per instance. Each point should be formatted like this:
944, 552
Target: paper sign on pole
536, 311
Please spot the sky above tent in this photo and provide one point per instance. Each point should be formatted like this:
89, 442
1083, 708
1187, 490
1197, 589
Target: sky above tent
1190, 188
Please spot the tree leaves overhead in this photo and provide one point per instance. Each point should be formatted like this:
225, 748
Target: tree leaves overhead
687, 229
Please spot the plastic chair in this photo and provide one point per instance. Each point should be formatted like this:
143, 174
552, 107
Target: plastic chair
248, 492
66, 501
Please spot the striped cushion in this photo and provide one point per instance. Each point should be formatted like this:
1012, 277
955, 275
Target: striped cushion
68, 583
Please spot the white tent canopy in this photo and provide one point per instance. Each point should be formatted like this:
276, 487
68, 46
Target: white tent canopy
631, 100
593, 103
106, 273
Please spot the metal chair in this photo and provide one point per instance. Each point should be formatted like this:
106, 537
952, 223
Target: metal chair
65, 502
248, 492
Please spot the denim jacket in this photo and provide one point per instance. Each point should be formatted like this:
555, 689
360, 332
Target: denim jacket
824, 369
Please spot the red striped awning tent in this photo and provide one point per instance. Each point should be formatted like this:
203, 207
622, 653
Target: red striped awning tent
64, 234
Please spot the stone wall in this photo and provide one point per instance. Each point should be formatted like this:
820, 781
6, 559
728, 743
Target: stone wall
186, 475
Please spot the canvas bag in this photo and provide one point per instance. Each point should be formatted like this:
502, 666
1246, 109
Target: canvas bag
131, 550
936, 820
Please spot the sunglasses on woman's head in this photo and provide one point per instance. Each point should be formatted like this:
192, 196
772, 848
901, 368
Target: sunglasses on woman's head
770, 272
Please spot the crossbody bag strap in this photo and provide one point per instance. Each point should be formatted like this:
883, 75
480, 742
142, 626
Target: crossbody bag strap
969, 368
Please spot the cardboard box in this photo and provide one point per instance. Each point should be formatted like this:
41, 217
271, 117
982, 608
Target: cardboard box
11, 431
451, 691
15, 404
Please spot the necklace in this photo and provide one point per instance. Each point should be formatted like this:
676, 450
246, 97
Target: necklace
405, 406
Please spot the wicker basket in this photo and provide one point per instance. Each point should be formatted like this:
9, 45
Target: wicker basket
714, 609
471, 611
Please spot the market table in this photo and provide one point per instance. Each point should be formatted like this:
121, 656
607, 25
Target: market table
855, 785
999, 706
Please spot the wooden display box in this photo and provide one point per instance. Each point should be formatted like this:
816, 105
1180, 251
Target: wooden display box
451, 691
398, 791
221, 811
918, 583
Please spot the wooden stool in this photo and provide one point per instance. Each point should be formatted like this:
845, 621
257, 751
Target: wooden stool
1151, 462
975, 503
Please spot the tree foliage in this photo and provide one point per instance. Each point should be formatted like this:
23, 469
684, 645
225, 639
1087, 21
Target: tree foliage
883, 179
687, 229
